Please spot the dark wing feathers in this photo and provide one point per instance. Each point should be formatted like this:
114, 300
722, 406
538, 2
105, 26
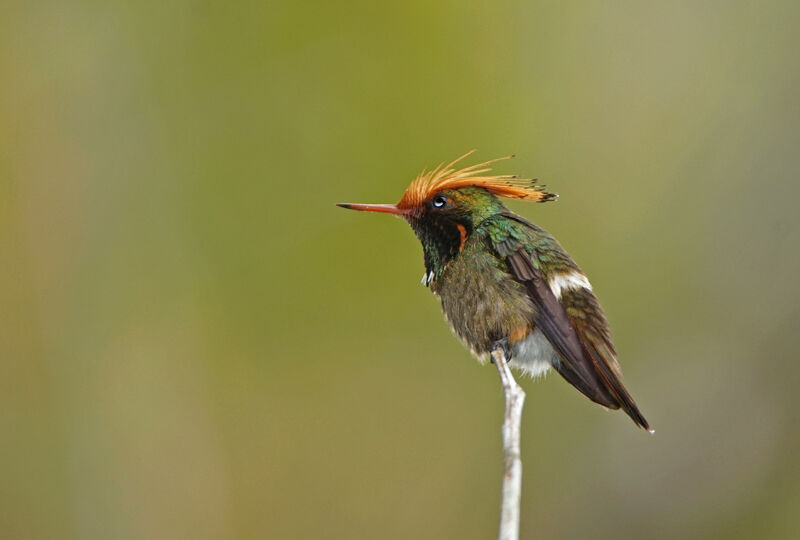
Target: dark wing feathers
580, 336
552, 319
587, 318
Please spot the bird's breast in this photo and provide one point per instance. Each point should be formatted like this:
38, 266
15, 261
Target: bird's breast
481, 300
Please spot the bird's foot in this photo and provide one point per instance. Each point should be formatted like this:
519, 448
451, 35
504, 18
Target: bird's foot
506, 348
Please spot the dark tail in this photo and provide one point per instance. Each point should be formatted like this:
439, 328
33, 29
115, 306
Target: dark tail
604, 387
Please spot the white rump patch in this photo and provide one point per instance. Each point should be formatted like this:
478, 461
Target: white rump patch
573, 280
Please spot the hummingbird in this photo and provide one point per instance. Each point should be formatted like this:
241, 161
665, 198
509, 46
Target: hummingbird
503, 281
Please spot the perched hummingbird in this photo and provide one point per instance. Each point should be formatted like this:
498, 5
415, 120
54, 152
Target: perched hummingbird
504, 281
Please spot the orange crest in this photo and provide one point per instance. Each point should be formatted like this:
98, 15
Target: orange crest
447, 177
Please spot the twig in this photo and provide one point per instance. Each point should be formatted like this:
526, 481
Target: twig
512, 474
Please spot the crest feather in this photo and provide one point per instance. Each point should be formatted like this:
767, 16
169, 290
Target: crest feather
448, 177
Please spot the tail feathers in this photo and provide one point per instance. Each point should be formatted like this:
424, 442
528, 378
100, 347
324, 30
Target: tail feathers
622, 396
604, 388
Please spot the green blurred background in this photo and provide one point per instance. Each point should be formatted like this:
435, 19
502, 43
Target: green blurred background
195, 343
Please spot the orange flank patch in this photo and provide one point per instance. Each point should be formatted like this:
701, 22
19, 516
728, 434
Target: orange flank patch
463, 231
448, 177
519, 333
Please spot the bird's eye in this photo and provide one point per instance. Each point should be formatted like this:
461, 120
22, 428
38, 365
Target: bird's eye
439, 201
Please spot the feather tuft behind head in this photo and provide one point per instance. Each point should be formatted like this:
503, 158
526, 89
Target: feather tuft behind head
448, 177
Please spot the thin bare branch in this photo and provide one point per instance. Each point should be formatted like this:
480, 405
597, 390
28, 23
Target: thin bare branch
512, 473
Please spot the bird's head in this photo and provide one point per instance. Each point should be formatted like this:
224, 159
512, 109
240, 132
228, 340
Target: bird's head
445, 205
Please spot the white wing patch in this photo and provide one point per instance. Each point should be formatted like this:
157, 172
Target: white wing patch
573, 280
427, 278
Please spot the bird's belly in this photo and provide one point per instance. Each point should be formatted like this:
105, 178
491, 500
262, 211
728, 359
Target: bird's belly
534, 355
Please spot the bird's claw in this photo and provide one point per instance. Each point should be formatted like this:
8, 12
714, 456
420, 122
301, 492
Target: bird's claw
501, 344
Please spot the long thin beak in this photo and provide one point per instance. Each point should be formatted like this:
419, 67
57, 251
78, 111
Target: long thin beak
384, 208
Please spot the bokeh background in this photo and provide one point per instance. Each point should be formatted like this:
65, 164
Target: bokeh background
196, 343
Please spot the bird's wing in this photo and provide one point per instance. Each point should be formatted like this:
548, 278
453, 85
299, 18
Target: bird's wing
575, 325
